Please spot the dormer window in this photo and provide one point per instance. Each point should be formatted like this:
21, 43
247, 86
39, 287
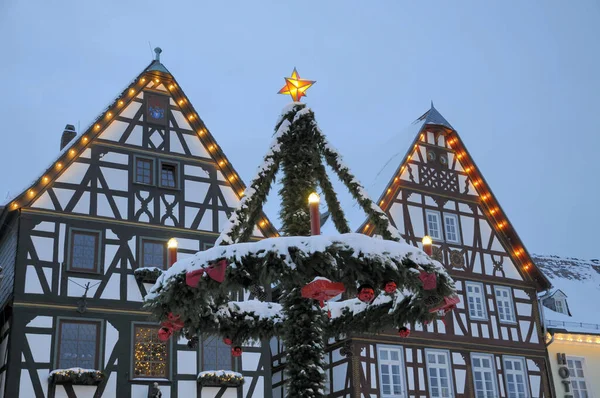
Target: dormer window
560, 306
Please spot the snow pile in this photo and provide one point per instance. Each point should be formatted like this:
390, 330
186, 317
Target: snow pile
579, 280
74, 370
260, 309
219, 373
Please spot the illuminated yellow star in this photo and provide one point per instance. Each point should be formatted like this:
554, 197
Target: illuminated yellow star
295, 86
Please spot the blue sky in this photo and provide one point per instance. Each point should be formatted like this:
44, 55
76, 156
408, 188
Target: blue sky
517, 79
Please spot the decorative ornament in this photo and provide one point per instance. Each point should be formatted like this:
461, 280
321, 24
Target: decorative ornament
429, 280
227, 341
215, 271
164, 333
295, 86
192, 278
236, 351
404, 332
322, 289
447, 304
390, 287
366, 294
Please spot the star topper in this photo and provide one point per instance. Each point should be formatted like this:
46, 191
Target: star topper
295, 86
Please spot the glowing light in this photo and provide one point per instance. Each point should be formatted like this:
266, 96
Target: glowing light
232, 177
469, 169
31, 193
427, 240
84, 139
45, 179
191, 117
121, 102
476, 183
14, 205
296, 87
72, 152
493, 211
97, 126
485, 197
262, 223
502, 224
526, 267
211, 148
313, 198
381, 203
109, 114
58, 165
222, 163
131, 91
395, 179
171, 86
157, 81
172, 243
390, 189
460, 156
241, 193
181, 102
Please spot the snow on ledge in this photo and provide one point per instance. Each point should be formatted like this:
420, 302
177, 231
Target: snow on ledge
219, 373
75, 370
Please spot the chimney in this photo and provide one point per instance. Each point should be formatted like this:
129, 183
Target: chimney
67, 135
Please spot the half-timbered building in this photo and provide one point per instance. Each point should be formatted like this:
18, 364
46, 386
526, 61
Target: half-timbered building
492, 344
81, 246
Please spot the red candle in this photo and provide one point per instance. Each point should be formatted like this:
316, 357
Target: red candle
427, 245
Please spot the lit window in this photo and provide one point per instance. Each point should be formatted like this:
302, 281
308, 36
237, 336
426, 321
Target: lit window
439, 374
216, 355
505, 304
515, 375
150, 355
390, 372
576, 372
78, 344
143, 171
433, 224
451, 227
484, 376
476, 300
154, 254
168, 175
84, 251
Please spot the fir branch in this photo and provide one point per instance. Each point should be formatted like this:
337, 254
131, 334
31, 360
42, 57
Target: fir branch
337, 214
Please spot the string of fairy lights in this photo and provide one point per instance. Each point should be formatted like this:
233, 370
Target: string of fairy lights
150, 354
113, 111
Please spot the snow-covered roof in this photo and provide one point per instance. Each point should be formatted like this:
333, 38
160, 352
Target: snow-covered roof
579, 280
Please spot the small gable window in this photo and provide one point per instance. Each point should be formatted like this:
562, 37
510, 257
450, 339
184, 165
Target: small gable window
154, 254
169, 175
433, 224
451, 228
144, 171
83, 255
560, 306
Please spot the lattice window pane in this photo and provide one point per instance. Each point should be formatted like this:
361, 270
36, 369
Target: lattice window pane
505, 304
154, 254
451, 225
483, 374
438, 371
83, 252
216, 355
150, 355
476, 301
390, 371
143, 171
433, 225
78, 345
578, 382
168, 177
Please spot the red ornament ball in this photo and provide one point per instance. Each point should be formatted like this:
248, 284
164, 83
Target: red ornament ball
227, 341
236, 351
404, 332
366, 294
390, 287
429, 280
172, 317
164, 334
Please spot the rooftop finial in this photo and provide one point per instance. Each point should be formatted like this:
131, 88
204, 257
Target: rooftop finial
157, 50
432, 103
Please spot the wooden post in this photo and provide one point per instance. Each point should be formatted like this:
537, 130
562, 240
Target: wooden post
172, 251
315, 216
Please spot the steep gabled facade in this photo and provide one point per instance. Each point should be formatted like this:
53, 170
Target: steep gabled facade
84, 240
491, 345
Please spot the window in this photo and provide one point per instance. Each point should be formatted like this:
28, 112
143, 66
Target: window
476, 300
83, 255
168, 175
154, 253
144, 171
451, 228
484, 376
390, 372
78, 344
515, 375
576, 372
433, 224
559, 304
216, 355
439, 374
505, 304
150, 355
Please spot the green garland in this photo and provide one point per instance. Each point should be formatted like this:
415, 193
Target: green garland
147, 275
220, 378
77, 377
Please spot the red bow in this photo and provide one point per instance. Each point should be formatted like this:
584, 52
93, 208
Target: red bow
447, 305
215, 271
404, 332
164, 334
429, 280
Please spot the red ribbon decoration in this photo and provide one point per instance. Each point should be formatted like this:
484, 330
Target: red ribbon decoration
429, 280
404, 332
447, 305
164, 334
192, 278
322, 290
227, 341
236, 351
216, 272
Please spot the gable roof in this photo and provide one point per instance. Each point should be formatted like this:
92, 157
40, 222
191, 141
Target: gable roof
579, 280
432, 119
159, 73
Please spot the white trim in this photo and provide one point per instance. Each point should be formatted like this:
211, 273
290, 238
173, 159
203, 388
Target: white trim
508, 315
563, 305
454, 217
491, 371
481, 296
438, 221
522, 372
437, 366
574, 377
396, 364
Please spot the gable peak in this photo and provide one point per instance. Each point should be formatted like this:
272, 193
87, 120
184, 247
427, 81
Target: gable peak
434, 117
156, 65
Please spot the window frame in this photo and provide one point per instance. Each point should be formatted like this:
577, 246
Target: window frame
446, 353
563, 305
169, 344
152, 171
201, 353
97, 255
437, 214
143, 240
493, 370
99, 365
403, 386
456, 225
511, 304
176, 165
572, 376
480, 285
524, 372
